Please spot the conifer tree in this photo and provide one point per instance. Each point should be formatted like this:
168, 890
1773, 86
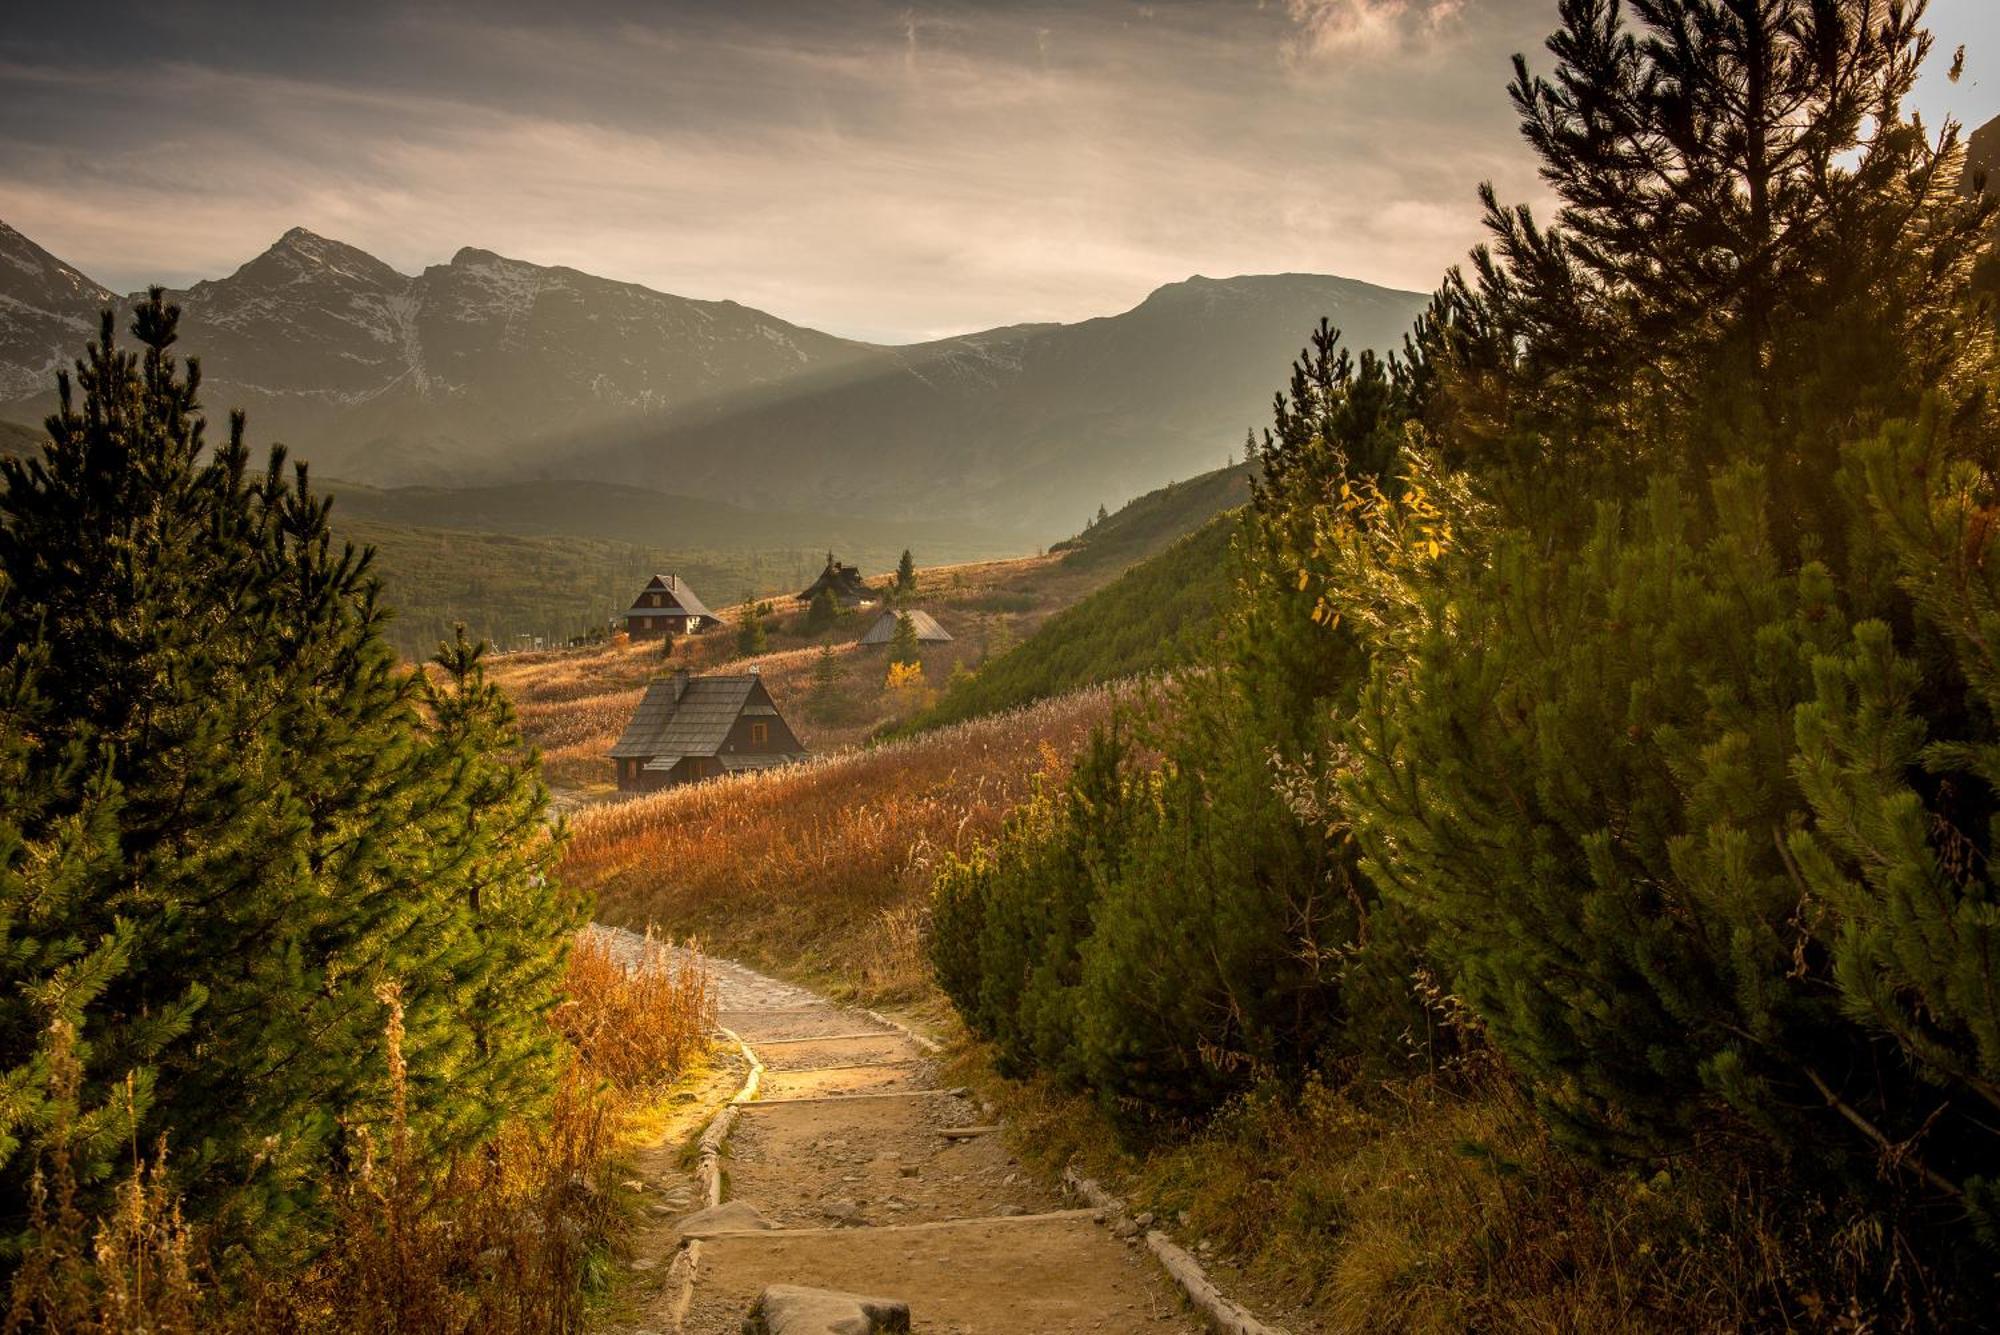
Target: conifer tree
297, 818
906, 575
904, 646
821, 612
751, 638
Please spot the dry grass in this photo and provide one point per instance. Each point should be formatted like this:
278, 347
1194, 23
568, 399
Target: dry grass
823, 870
574, 702
1440, 1204
638, 1025
505, 1241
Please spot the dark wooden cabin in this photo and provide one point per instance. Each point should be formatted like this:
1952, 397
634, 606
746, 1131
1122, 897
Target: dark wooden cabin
667, 606
849, 589
688, 729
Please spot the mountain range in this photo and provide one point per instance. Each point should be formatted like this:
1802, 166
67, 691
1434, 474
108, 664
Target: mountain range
488, 370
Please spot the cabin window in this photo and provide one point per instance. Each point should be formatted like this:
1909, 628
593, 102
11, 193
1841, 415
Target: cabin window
658, 601
759, 732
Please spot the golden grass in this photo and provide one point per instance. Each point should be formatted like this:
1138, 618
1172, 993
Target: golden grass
1441, 1204
823, 870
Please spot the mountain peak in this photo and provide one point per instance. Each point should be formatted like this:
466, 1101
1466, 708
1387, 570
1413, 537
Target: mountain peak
304, 255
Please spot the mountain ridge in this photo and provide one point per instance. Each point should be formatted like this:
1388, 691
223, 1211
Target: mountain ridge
491, 370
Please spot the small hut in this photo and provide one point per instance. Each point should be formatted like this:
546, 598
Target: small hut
844, 582
667, 606
689, 728
927, 627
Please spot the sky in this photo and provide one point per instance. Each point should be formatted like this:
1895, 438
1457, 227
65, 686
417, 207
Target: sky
888, 171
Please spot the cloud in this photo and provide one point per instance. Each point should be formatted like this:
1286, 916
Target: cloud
874, 169
1334, 28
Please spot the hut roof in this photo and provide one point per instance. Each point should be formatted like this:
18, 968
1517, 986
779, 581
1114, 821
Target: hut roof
844, 580
686, 599
685, 716
928, 629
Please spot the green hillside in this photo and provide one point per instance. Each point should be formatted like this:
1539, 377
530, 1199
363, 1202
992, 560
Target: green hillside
1148, 524
512, 589
1158, 614
649, 518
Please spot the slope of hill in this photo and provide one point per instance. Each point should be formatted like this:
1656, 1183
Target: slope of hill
641, 515
488, 369
47, 311
18, 439
1157, 615
1148, 524
1022, 427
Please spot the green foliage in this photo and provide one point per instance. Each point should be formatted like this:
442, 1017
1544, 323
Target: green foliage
821, 612
906, 575
751, 637
1577, 773
904, 646
245, 818
1011, 921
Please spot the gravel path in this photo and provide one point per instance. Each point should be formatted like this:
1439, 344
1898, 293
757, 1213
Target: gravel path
844, 1157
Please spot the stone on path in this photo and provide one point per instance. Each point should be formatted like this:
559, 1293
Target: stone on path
789, 1309
728, 1217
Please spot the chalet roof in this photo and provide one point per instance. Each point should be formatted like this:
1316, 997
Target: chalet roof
845, 581
928, 629
684, 716
676, 588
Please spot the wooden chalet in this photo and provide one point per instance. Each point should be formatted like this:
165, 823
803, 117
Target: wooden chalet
667, 606
688, 728
849, 589
927, 628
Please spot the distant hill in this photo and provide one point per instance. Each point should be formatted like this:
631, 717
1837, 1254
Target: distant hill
1019, 427
1157, 615
19, 439
641, 516
1150, 523
487, 370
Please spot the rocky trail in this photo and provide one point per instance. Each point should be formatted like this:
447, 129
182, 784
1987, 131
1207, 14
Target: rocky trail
850, 1168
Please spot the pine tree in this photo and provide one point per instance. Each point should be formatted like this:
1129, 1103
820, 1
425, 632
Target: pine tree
906, 575
294, 817
751, 639
904, 646
822, 611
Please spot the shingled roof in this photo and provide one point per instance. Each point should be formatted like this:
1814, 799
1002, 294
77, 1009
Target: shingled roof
676, 588
684, 716
928, 629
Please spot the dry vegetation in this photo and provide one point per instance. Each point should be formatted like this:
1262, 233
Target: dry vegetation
509, 1240
1440, 1204
823, 870
574, 702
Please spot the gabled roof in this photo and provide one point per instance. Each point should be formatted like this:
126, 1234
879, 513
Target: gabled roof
844, 580
676, 589
690, 719
928, 629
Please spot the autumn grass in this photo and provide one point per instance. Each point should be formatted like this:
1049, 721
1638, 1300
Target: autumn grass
822, 871
1439, 1203
510, 1239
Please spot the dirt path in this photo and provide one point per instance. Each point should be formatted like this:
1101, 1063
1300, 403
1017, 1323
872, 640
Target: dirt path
844, 1155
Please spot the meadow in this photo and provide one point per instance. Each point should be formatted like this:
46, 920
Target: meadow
822, 871
573, 703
